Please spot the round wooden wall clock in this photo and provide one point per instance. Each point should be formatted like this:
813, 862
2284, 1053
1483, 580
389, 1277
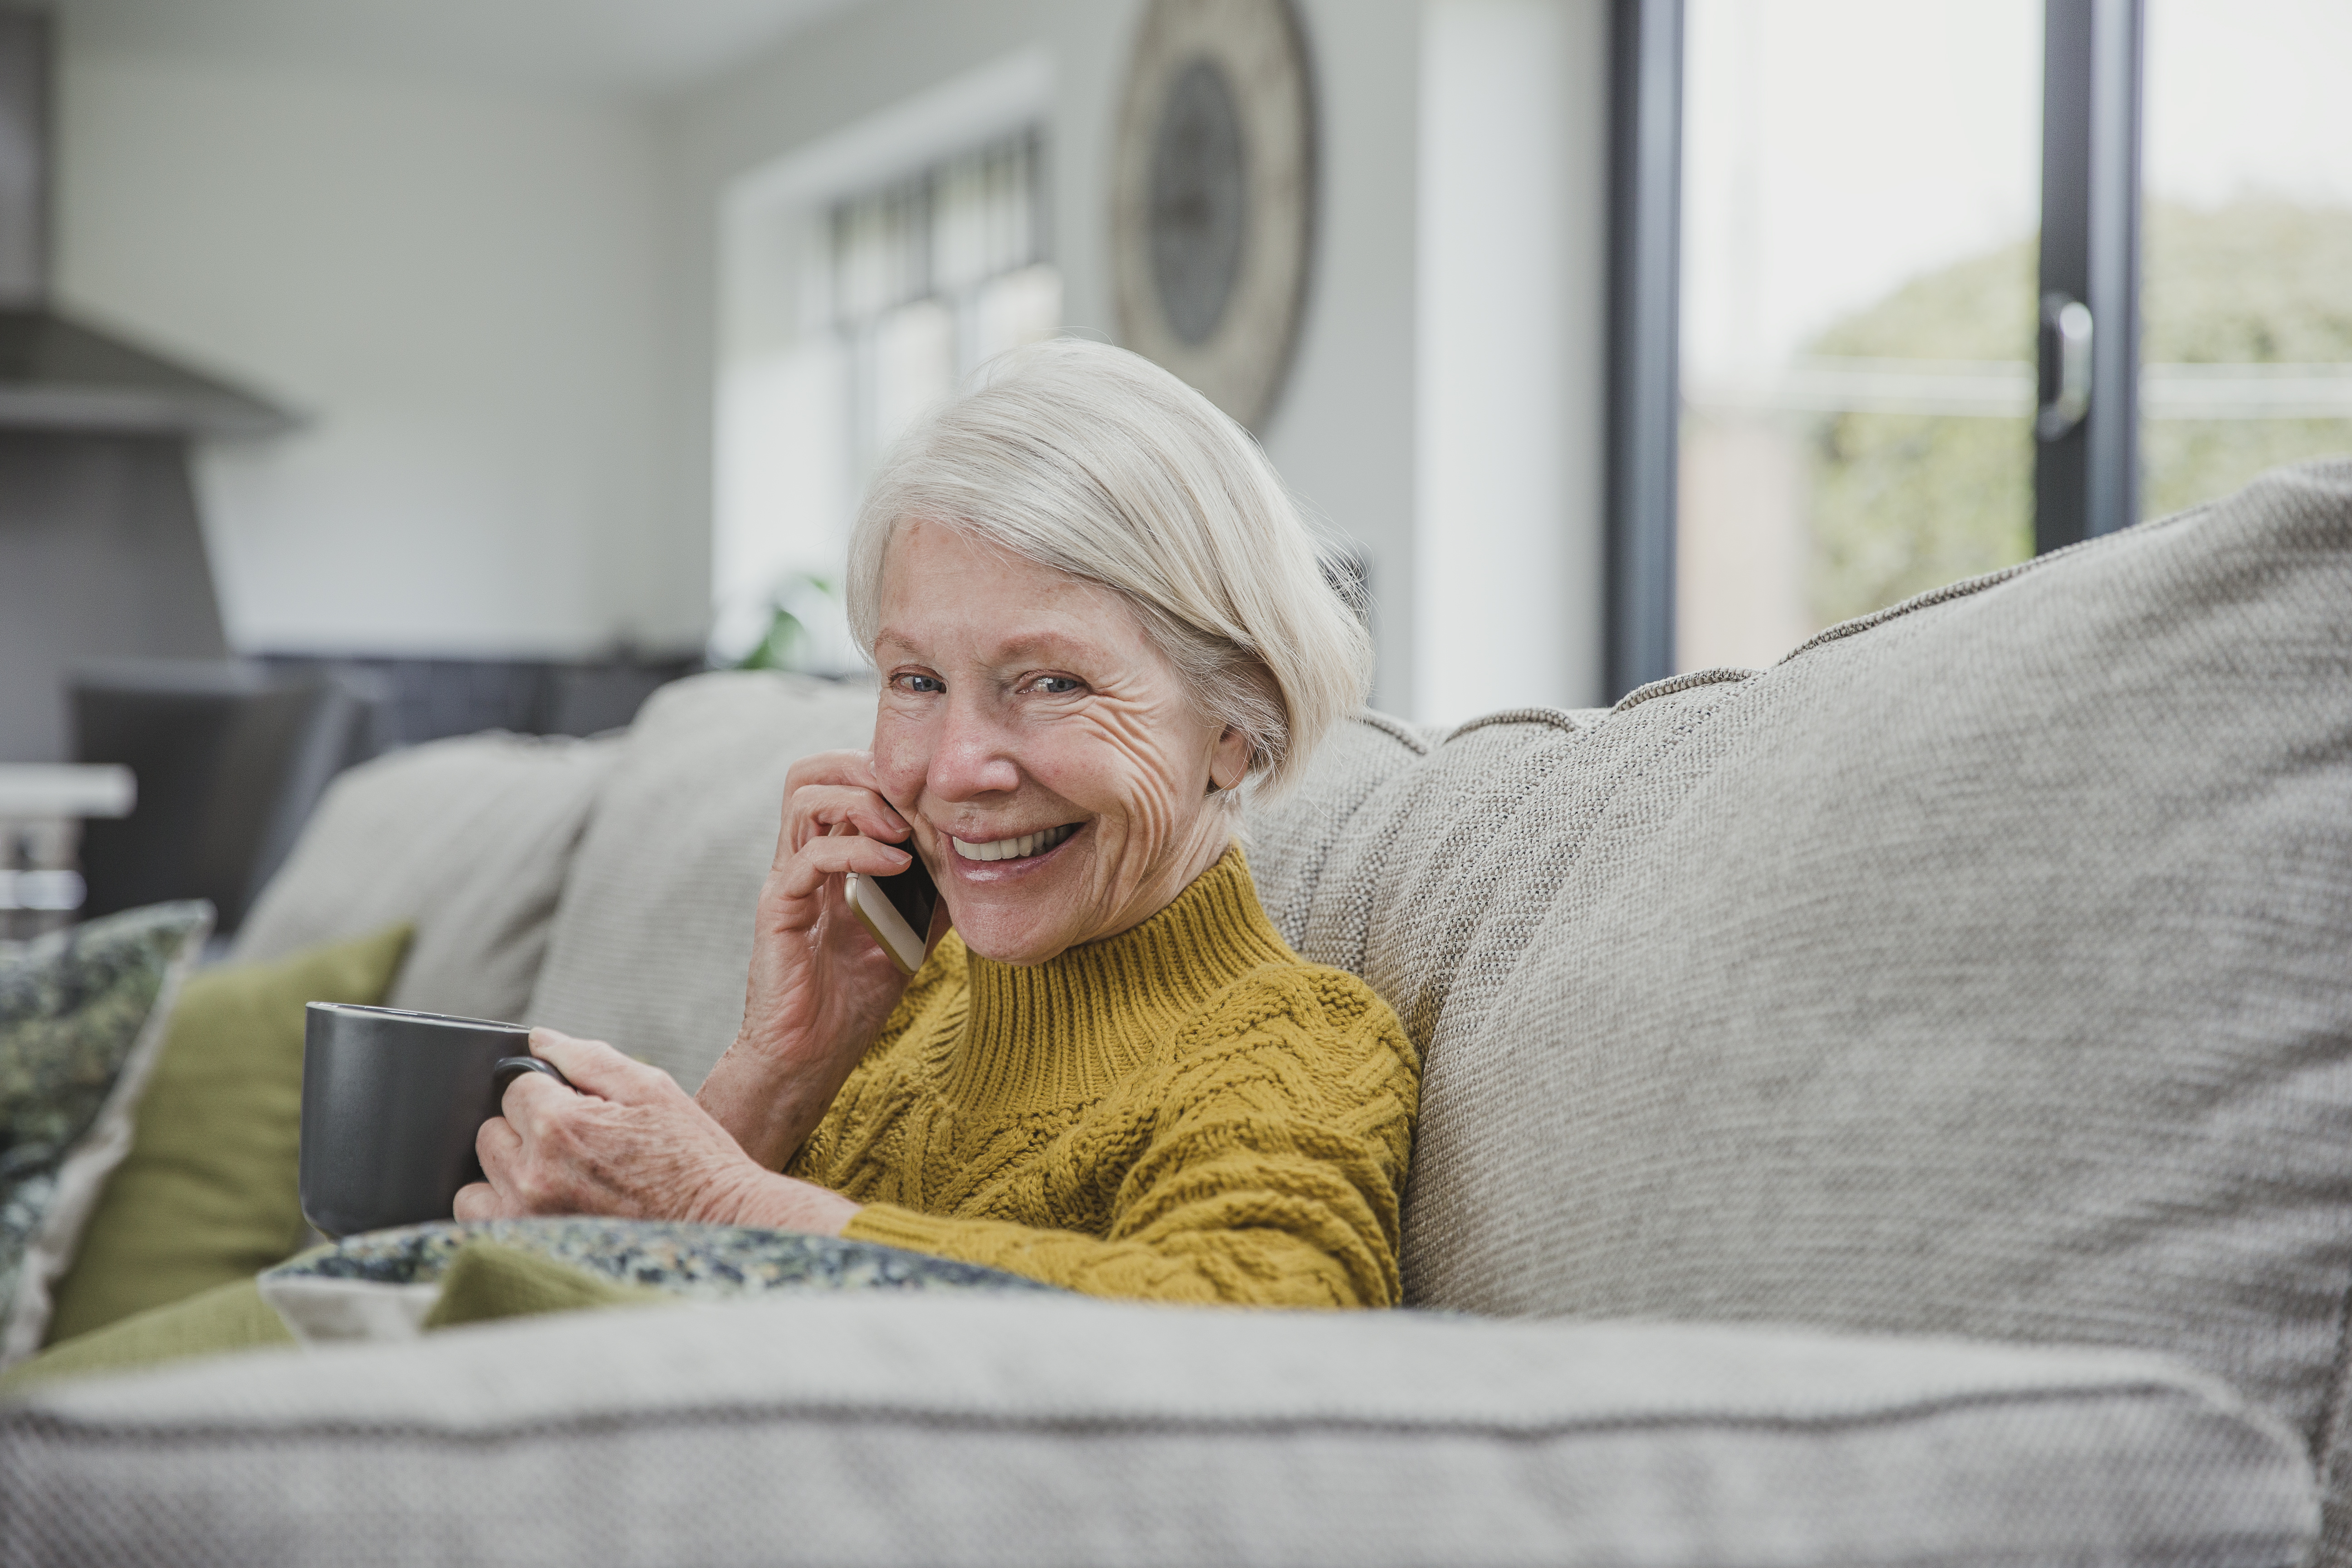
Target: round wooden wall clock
1213, 197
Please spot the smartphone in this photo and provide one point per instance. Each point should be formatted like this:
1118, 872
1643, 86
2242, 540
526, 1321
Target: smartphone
898, 909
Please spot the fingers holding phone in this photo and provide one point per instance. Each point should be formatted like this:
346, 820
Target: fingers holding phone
899, 910
830, 793
821, 981
836, 793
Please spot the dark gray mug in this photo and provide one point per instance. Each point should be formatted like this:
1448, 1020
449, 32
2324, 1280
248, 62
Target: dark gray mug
392, 1101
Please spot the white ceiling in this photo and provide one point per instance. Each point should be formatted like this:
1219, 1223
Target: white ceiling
618, 46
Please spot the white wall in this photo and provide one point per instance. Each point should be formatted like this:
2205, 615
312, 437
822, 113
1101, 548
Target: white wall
465, 286
1343, 436
500, 305
1508, 567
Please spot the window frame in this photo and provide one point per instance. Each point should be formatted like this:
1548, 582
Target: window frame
1644, 373
2086, 479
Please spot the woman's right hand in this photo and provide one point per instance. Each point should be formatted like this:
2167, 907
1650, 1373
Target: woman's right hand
821, 987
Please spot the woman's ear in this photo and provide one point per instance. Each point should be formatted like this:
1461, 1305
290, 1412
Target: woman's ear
1229, 763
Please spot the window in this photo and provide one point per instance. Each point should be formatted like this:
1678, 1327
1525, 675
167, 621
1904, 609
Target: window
2246, 304
847, 316
934, 276
1902, 293
1859, 209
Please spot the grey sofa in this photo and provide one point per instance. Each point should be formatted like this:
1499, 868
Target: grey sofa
1895, 1107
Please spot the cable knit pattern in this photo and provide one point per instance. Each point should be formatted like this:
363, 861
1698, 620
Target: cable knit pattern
1186, 1112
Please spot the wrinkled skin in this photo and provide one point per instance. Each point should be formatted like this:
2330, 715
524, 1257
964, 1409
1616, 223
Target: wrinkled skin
1014, 700
630, 1144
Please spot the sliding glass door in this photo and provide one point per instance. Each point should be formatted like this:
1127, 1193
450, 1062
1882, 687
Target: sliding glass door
1860, 201
2246, 309
1905, 291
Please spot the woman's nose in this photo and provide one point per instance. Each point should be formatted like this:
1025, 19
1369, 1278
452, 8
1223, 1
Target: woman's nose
973, 756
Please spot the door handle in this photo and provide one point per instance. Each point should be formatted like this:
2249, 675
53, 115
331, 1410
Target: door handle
2065, 368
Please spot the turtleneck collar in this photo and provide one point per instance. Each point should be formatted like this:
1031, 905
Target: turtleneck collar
1062, 1032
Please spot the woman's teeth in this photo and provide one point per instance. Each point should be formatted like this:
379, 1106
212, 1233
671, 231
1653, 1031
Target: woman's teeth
1015, 848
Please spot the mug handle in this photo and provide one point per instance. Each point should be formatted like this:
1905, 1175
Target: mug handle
506, 1070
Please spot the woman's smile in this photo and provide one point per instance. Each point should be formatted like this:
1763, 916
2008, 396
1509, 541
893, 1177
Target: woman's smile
1000, 859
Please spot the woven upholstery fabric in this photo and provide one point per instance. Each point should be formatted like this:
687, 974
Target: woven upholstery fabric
1985, 968
1291, 840
1447, 859
467, 839
653, 939
897, 1429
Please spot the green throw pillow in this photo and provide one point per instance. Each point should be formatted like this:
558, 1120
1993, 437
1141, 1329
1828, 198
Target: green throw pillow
487, 1281
219, 1321
209, 1194
81, 1026
482, 1282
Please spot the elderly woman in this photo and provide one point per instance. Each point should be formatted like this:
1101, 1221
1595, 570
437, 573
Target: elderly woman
1100, 621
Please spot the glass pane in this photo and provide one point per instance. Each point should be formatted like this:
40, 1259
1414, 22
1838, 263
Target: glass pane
1019, 308
2246, 302
842, 318
914, 366
1862, 192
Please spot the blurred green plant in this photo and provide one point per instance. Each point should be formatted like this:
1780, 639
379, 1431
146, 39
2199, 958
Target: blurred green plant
2260, 281
788, 644
1905, 502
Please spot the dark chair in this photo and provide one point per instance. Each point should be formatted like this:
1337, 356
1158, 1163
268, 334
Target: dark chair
230, 759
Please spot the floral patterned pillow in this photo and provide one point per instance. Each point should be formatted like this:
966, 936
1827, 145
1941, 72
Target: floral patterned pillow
82, 1014
710, 1261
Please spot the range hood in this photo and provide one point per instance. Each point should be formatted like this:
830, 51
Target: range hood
57, 375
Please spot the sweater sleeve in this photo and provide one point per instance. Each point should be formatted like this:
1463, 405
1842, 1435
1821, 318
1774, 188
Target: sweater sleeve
1264, 1164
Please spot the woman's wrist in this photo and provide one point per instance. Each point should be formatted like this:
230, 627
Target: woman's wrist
769, 1106
767, 1201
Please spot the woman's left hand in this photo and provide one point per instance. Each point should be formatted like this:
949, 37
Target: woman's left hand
632, 1144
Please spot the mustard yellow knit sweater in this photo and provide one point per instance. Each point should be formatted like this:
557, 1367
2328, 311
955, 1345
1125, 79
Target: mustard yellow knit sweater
1186, 1112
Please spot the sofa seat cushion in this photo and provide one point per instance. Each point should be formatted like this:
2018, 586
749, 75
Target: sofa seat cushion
1982, 969
466, 839
913, 1429
652, 941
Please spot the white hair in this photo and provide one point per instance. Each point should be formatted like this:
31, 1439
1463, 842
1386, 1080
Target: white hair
1093, 461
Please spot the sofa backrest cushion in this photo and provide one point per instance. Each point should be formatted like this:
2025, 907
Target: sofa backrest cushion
467, 839
1984, 968
653, 939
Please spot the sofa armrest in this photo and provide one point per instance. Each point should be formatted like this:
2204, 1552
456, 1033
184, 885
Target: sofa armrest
951, 1429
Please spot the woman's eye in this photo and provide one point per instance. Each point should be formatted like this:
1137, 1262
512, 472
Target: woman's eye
925, 683
1057, 685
